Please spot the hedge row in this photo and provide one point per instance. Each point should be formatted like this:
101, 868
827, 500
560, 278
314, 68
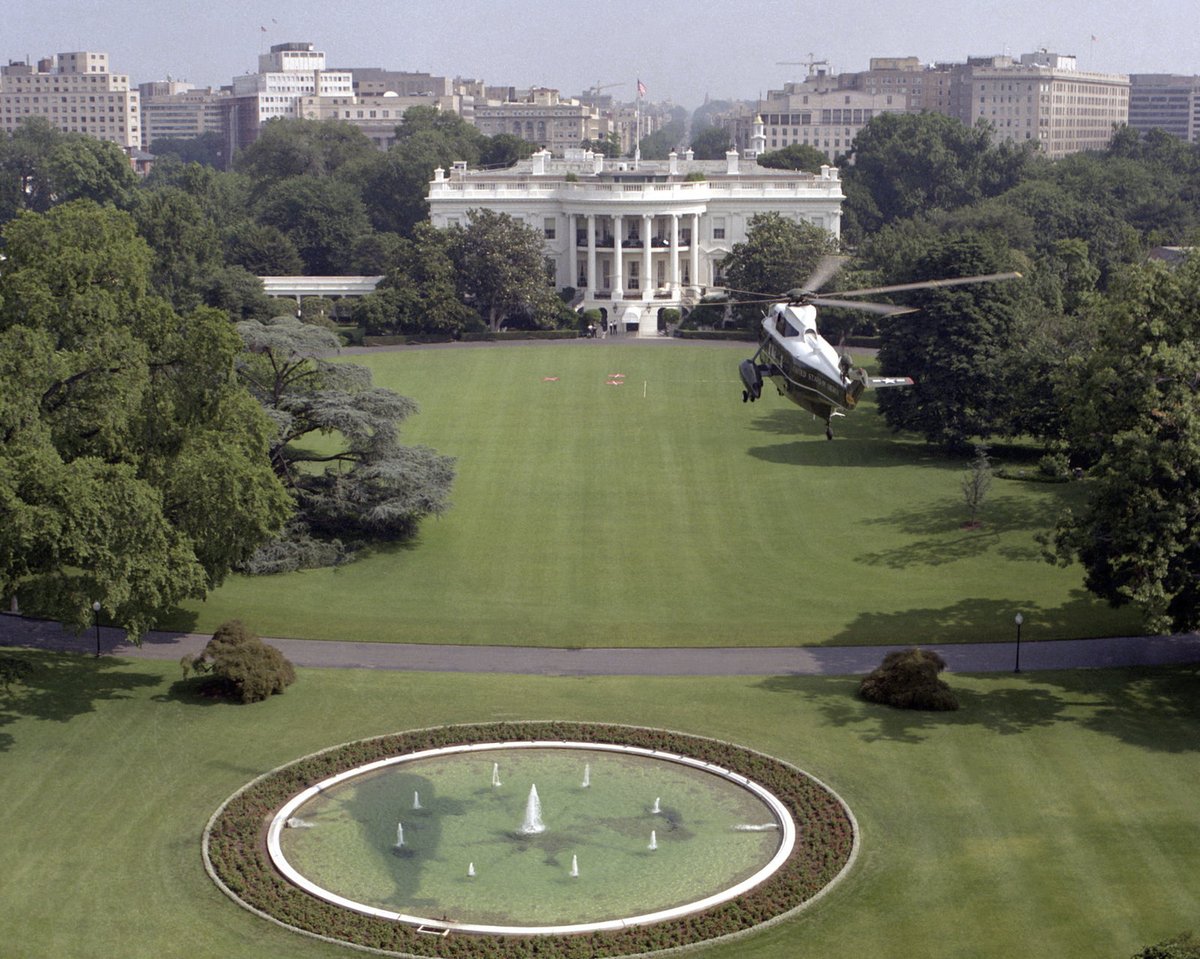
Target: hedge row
236, 850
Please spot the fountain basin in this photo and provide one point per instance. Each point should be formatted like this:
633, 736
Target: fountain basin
522, 883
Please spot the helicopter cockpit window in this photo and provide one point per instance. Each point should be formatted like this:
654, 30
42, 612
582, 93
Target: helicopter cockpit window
784, 328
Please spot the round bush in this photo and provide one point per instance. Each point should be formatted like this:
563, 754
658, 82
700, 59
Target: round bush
908, 679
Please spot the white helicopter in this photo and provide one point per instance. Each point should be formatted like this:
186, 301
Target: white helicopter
804, 366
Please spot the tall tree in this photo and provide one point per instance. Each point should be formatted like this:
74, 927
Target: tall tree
185, 243
797, 156
321, 216
711, 143
1136, 408
777, 255
502, 269
133, 466
289, 148
362, 486
953, 346
908, 163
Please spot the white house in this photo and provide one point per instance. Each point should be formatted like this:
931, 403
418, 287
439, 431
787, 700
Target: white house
636, 237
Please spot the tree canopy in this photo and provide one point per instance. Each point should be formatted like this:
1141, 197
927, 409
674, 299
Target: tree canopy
359, 482
1136, 410
502, 270
133, 466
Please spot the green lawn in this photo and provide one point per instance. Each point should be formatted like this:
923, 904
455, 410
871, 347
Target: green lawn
1055, 815
664, 512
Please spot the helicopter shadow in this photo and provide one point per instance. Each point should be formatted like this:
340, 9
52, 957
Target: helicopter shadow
867, 442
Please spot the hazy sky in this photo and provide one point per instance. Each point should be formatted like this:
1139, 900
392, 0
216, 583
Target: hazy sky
680, 50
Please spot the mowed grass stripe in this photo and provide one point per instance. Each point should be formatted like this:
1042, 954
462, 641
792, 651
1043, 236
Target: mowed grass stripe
665, 512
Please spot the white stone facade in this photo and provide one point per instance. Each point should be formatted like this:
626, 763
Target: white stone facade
288, 73
634, 238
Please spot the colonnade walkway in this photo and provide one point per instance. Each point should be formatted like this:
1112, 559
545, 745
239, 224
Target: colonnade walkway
19, 631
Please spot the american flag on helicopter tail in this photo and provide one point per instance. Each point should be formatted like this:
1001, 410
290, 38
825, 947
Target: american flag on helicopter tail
641, 89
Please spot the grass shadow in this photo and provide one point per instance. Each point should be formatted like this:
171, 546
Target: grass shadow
62, 686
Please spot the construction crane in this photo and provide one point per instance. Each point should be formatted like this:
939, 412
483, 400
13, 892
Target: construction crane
810, 63
594, 91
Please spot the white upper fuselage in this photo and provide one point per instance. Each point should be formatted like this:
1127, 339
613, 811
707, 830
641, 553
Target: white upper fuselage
794, 328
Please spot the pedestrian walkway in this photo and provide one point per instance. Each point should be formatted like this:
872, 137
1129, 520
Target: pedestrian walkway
724, 661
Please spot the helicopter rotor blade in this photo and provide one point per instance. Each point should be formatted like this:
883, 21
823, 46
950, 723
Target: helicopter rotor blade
929, 284
883, 309
825, 270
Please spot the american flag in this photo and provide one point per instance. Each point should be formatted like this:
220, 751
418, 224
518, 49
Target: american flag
641, 89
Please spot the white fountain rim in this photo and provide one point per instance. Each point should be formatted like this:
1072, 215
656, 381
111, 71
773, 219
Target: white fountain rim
786, 823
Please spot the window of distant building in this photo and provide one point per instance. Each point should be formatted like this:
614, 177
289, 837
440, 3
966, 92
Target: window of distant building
718, 227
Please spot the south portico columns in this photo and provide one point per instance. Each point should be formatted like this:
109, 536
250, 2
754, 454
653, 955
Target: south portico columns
591, 256
618, 289
647, 254
694, 252
675, 255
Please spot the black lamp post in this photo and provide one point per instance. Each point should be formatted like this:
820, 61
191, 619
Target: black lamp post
1018, 619
96, 613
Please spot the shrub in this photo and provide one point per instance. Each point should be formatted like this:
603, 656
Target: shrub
241, 666
908, 679
1185, 946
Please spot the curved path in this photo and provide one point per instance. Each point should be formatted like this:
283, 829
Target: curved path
749, 661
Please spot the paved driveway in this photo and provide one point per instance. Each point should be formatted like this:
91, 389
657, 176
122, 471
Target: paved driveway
751, 661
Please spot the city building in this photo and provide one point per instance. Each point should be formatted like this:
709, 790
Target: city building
634, 238
1044, 99
823, 111
286, 75
1167, 102
541, 117
376, 116
76, 93
172, 109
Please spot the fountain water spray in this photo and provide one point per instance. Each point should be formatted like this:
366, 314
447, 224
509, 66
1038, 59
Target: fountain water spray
416, 800
653, 840
657, 806
574, 866
399, 834
471, 869
533, 814
495, 774
587, 775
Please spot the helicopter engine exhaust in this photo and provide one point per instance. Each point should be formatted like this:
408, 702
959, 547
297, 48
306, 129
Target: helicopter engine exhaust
752, 379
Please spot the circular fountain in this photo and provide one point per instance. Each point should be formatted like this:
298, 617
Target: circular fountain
395, 828
523, 844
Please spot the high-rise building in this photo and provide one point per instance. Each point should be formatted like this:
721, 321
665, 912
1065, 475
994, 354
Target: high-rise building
176, 110
1167, 102
76, 93
288, 73
1045, 100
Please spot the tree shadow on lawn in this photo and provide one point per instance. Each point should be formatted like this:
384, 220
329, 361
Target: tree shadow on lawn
977, 620
948, 538
62, 686
1003, 711
1153, 708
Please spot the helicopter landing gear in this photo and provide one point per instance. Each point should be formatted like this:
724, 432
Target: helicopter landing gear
828, 432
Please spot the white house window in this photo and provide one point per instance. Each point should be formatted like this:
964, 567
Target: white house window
549, 228
718, 228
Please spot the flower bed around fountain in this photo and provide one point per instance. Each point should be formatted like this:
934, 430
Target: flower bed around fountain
236, 855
